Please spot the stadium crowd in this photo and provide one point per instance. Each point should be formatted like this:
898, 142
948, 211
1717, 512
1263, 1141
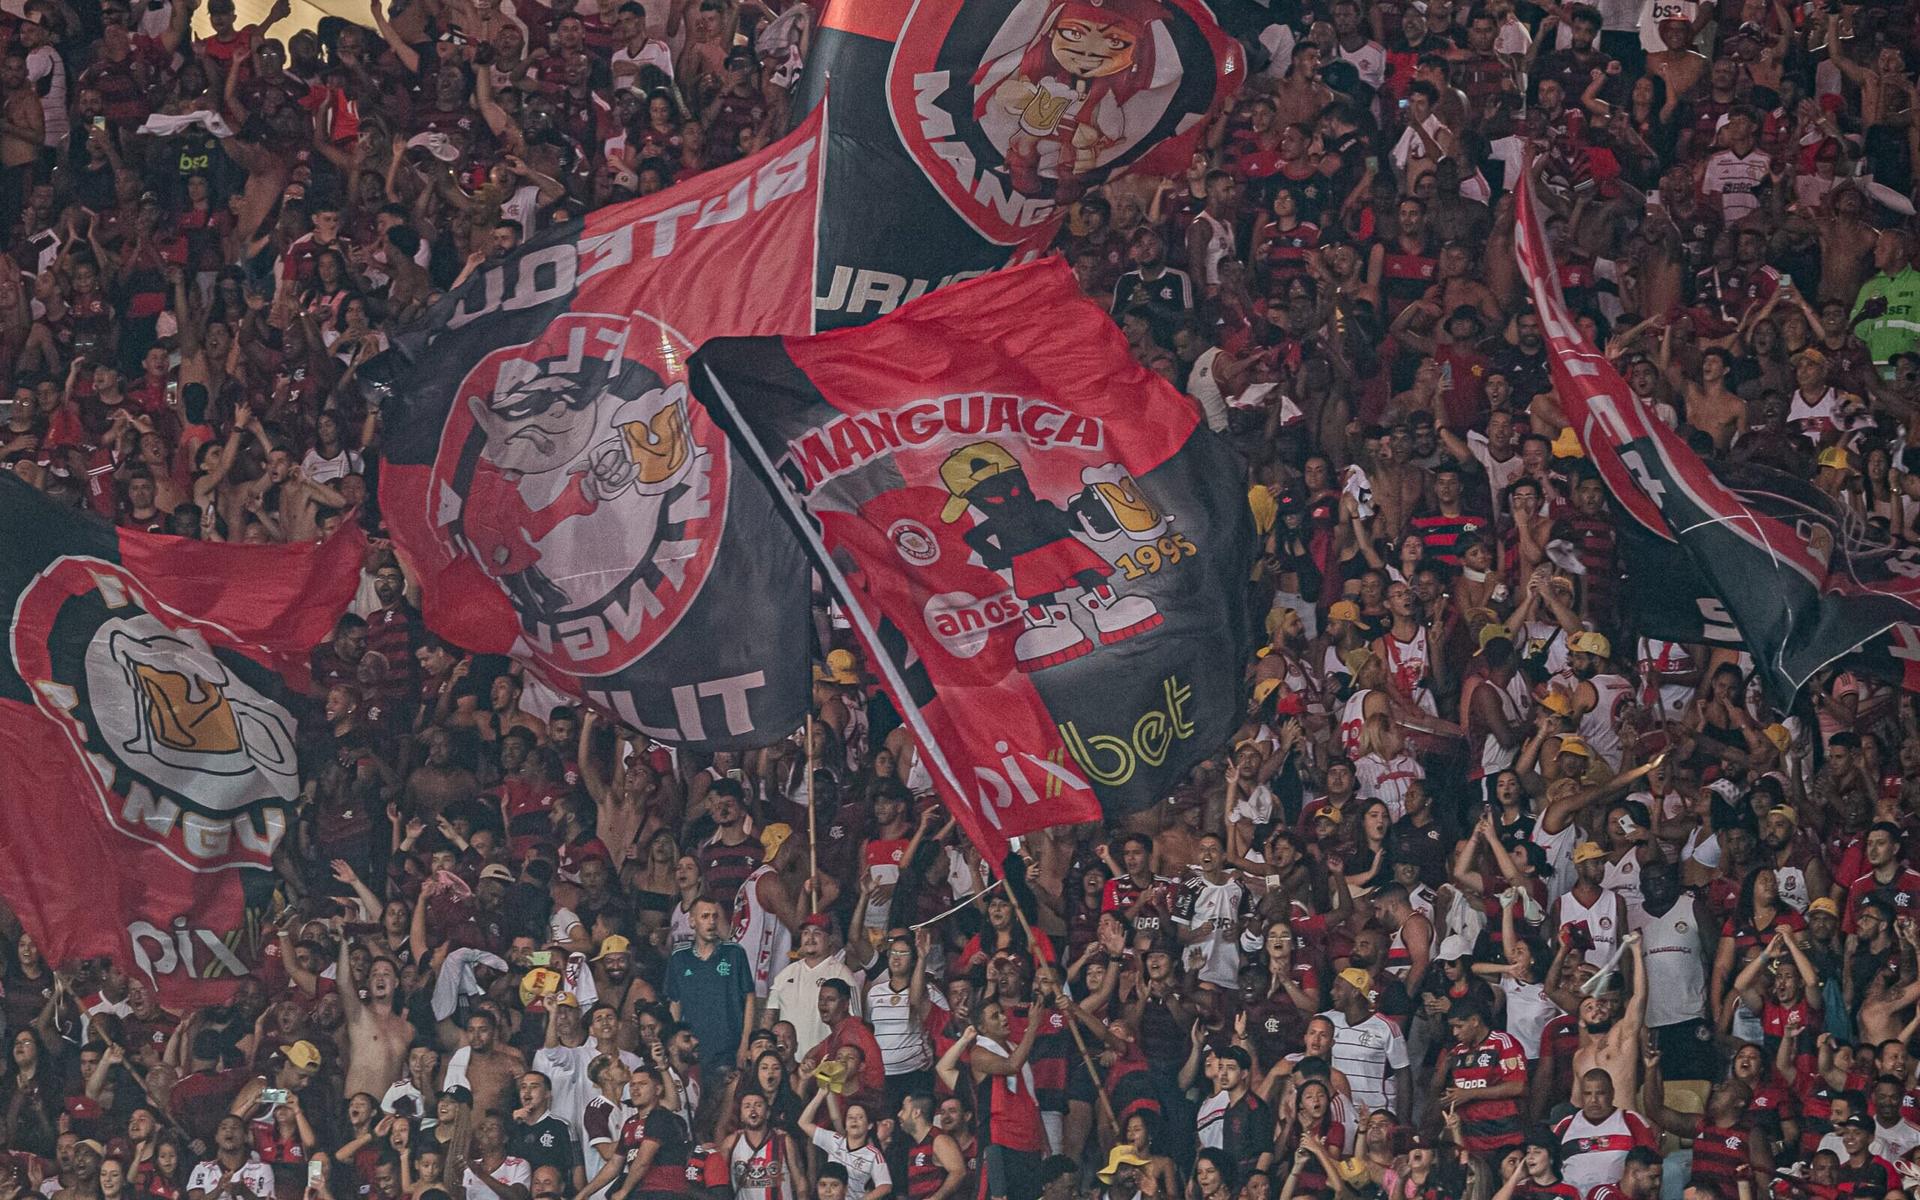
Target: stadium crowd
1490, 896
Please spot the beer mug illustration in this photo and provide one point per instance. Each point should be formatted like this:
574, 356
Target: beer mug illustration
655, 438
1118, 506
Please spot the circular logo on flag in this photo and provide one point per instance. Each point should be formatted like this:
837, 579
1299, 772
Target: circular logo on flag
914, 542
1013, 107
578, 474
185, 741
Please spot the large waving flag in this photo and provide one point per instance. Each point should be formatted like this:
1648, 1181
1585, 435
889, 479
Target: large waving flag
960, 130
1042, 546
1797, 602
147, 717
560, 496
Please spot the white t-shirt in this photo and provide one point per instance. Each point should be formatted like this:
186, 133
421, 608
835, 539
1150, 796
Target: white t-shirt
511, 1171
256, 1177
866, 1167
1737, 180
1368, 1054
326, 470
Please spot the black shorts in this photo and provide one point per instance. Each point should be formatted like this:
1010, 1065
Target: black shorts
1687, 1051
1009, 1174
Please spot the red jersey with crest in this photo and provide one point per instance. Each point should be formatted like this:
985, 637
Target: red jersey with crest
1488, 1126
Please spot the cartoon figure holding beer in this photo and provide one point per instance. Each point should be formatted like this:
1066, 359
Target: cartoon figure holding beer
1070, 89
549, 469
1035, 545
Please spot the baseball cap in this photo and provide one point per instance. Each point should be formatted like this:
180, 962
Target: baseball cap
816, 921
775, 836
457, 1094
1570, 744
1835, 457
91, 1144
1330, 813
1453, 946
538, 984
1343, 610
1857, 1121
615, 944
1785, 810
1589, 642
303, 1055
1556, 702
1358, 979
497, 871
1263, 689
1824, 904
1586, 852
1493, 631
1121, 1156
1567, 445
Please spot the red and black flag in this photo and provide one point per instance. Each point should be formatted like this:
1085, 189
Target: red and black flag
1044, 549
1797, 597
147, 712
960, 131
562, 499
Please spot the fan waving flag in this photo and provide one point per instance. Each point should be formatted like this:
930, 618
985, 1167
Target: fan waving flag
1799, 603
147, 715
560, 497
1043, 548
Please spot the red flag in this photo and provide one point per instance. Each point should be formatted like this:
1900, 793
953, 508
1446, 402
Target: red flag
1046, 525
146, 711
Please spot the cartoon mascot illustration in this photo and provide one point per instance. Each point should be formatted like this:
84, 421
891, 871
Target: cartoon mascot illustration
1031, 542
1070, 89
565, 437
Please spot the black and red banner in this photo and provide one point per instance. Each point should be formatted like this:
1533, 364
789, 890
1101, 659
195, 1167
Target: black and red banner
1798, 599
1040, 526
147, 720
959, 131
560, 496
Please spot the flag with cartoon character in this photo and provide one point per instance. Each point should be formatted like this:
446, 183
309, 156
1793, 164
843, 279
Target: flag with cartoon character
961, 131
1040, 543
563, 500
148, 716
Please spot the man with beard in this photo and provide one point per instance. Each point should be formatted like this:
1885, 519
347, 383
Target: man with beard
935, 1168
1887, 880
1590, 908
763, 1163
1610, 1031
1166, 292
570, 1052
1797, 870
1525, 362
732, 853
378, 1033
1367, 1048
616, 983
795, 988
1599, 694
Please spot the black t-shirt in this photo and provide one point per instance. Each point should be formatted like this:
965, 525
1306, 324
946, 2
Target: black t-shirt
547, 1142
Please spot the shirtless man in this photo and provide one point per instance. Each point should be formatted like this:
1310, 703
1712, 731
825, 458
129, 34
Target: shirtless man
439, 781
1610, 1035
377, 1035
1298, 96
492, 1070
1680, 66
1711, 407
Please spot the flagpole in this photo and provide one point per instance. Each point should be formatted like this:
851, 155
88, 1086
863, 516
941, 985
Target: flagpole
1073, 1021
813, 843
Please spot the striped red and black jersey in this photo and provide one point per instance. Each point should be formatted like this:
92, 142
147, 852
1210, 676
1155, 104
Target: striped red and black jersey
1130, 1086
925, 1175
1722, 1157
1875, 1177
1488, 1126
1048, 1062
1560, 1038
1546, 1191
1310, 1177
1287, 254
1439, 532
1405, 278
